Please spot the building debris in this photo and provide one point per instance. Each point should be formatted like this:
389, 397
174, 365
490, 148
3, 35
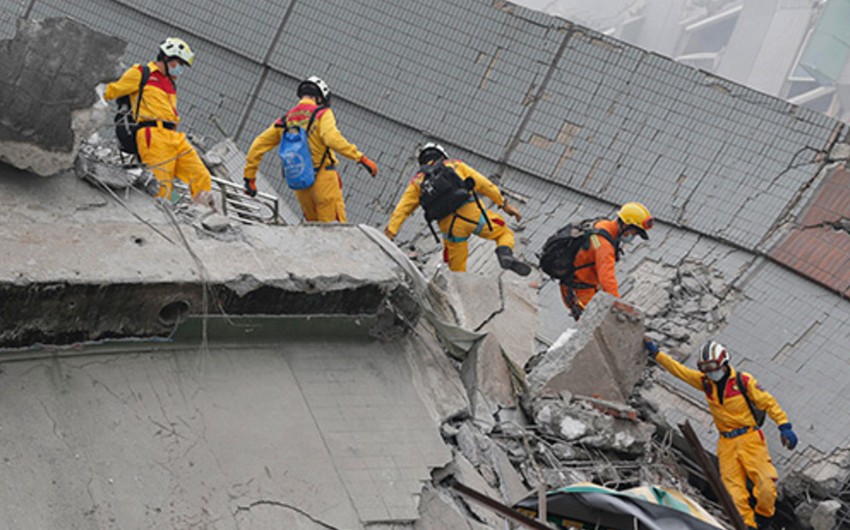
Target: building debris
49, 104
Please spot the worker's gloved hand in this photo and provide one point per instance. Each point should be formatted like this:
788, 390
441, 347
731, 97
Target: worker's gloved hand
511, 210
369, 165
786, 434
100, 90
250, 187
389, 234
651, 348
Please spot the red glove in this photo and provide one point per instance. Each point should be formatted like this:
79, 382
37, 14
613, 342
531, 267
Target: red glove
250, 187
369, 165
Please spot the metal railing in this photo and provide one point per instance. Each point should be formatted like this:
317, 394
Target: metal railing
262, 209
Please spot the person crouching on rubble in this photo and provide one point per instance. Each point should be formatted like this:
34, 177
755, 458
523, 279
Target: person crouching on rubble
738, 403
447, 191
594, 264
166, 152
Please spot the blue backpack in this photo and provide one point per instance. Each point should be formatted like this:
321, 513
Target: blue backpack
295, 157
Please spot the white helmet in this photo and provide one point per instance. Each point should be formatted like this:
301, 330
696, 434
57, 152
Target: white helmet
423, 156
314, 86
173, 47
712, 356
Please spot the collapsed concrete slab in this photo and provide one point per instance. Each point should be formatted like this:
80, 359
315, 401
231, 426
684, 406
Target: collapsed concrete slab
603, 358
47, 92
130, 268
320, 432
504, 307
75, 283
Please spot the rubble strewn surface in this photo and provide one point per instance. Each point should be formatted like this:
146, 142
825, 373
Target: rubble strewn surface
309, 376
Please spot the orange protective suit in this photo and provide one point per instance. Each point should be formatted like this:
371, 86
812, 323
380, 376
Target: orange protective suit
466, 221
595, 267
323, 200
165, 151
741, 456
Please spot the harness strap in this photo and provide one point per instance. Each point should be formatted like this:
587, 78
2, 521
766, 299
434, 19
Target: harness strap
479, 225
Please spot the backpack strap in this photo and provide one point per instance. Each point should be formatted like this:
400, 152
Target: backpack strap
146, 74
743, 388
617, 252
614, 242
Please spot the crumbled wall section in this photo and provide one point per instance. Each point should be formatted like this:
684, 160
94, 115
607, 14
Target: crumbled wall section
50, 70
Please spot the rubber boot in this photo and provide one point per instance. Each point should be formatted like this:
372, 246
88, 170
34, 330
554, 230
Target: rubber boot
508, 261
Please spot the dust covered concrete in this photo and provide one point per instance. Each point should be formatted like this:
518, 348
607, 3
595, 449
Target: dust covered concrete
47, 92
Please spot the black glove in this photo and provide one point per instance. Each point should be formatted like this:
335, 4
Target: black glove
651, 348
250, 187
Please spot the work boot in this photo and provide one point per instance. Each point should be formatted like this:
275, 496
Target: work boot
764, 523
507, 260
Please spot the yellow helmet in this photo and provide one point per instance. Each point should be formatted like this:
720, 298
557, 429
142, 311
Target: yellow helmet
173, 47
637, 215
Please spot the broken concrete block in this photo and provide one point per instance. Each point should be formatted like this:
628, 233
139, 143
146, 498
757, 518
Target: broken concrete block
50, 69
824, 477
438, 511
436, 379
466, 474
474, 298
102, 174
487, 376
581, 422
515, 327
511, 484
216, 222
604, 358
825, 516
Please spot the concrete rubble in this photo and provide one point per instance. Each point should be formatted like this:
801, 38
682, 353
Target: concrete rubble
47, 93
604, 358
253, 376
464, 409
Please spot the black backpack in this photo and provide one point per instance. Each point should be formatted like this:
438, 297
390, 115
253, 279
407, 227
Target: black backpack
560, 249
125, 121
442, 192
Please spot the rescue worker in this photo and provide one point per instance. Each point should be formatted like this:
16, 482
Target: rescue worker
166, 152
323, 200
467, 220
595, 265
741, 449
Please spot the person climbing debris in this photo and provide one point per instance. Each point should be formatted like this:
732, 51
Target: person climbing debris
448, 191
310, 167
738, 404
150, 119
582, 257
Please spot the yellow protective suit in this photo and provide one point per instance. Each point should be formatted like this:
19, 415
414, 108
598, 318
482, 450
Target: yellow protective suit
323, 200
467, 220
166, 152
743, 456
